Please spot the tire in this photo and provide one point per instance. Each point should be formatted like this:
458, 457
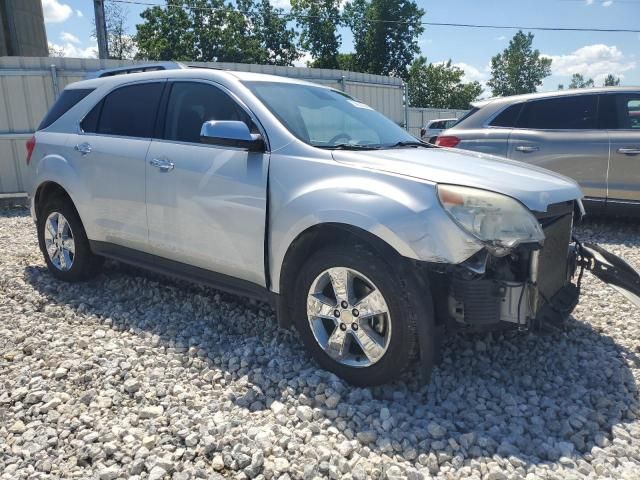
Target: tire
81, 264
396, 339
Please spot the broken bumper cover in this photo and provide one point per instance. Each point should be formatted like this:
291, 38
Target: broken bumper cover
548, 295
612, 270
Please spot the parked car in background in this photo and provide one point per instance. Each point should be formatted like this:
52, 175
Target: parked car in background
367, 240
430, 131
591, 135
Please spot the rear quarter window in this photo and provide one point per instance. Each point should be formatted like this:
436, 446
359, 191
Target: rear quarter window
66, 100
508, 117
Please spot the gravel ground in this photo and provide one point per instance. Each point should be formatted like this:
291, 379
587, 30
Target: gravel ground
133, 375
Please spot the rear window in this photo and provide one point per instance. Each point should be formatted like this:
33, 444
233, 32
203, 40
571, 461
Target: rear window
507, 118
577, 112
66, 100
129, 111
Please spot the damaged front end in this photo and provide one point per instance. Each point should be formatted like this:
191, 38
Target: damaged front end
533, 285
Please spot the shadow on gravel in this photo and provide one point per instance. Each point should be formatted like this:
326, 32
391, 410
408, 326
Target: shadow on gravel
528, 398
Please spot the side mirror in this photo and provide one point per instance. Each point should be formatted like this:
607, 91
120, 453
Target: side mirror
228, 133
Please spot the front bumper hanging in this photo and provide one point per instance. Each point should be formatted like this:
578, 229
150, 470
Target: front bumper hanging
611, 269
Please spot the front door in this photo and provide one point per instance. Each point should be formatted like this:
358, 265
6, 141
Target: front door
206, 205
624, 171
562, 134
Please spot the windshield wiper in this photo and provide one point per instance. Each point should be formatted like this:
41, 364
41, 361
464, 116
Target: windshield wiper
409, 143
349, 146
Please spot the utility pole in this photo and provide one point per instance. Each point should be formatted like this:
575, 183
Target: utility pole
101, 29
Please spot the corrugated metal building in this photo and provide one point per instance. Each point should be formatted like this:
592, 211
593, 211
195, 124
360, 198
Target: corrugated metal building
22, 31
29, 86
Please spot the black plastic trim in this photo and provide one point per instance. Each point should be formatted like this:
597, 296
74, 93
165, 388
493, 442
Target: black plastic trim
183, 271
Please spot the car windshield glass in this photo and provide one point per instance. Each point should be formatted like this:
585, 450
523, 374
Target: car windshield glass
327, 118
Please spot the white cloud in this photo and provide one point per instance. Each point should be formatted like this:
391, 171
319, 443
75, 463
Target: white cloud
55, 12
501, 38
472, 73
607, 3
79, 13
588, 2
69, 37
68, 49
594, 61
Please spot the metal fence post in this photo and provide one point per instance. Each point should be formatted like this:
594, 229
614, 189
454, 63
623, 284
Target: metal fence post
406, 105
54, 81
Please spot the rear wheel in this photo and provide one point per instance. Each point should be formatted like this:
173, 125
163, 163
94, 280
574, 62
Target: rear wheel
64, 242
357, 315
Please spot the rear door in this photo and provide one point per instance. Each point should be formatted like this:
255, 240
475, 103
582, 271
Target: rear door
562, 134
621, 111
491, 138
109, 155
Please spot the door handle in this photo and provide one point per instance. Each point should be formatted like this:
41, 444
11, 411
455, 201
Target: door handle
163, 164
527, 148
84, 148
629, 150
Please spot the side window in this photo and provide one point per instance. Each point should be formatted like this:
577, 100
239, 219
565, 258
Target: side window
628, 111
193, 103
128, 111
450, 123
90, 122
507, 118
577, 112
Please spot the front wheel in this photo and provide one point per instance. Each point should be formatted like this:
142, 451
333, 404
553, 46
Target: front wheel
357, 315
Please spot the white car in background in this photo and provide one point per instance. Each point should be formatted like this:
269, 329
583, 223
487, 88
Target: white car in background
433, 128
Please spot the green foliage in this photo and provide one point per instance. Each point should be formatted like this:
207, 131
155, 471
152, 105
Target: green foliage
440, 86
611, 81
318, 21
385, 34
578, 81
347, 61
209, 30
519, 68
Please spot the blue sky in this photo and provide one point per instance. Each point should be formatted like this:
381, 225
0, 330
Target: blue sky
69, 25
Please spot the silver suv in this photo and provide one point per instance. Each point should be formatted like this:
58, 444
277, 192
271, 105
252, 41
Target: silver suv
368, 241
591, 135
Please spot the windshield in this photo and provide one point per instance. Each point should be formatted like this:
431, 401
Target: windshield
327, 118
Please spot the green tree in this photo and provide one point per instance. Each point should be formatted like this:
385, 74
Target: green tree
611, 81
385, 34
166, 33
318, 21
209, 30
346, 61
578, 81
440, 86
519, 68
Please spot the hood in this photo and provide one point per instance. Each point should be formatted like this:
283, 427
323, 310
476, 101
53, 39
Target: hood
533, 186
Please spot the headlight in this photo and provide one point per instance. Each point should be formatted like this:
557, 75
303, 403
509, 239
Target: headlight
499, 221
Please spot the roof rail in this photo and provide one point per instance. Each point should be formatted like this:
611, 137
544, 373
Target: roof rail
142, 67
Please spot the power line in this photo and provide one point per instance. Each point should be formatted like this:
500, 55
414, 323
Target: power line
432, 24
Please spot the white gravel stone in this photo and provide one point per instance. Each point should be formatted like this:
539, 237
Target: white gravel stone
134, 375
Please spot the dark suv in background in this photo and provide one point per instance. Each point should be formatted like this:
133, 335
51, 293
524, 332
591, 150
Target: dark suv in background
591, 135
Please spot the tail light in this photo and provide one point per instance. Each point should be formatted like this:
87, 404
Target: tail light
422, 132
447, 141
31, 144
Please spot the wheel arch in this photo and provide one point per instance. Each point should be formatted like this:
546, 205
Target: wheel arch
312, 239
47, 190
